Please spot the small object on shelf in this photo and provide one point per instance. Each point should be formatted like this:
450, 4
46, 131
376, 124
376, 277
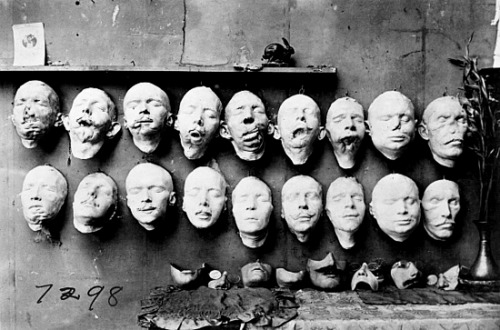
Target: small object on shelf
276, 54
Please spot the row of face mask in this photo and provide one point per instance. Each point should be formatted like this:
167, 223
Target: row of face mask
391, 123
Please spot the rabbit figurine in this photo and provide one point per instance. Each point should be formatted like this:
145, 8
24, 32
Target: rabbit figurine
278, 55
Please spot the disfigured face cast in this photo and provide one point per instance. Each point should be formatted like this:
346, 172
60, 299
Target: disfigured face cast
345, 127
150, 191
299, 126
91, 121
345, 207
444, 124
35, 112
43, 195
325, 274
252, 207
302, 205
441, 204
391, 123
364, 276
397, 211
94, 203
204, 196
147, 111
246, 124
256, 274
198, 121
405, 274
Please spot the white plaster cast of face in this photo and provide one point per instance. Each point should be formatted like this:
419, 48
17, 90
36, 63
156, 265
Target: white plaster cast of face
364, 275
324, 274
288, 279
299, 126
256, 274
252, 208
405, 274
301, 205
91, 121
391, 123
150, 191
35, 112
204, 196
444, 124
441, 204
146, 110
43, 195
94, 203
345, 207
198, 121
397, 211
345, 127
246, 124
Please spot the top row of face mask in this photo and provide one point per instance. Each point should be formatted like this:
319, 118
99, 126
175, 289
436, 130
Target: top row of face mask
390, 122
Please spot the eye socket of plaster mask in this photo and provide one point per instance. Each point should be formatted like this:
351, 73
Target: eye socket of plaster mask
345, 207
299, 126
150, 192
345, 127
289, 280
94, 203
397, 211
91, 121
246, 125
146, 110
204, 196
405, 274
325, 274
444, 125
198, 121
35, 112
185, 278
391, 122
302, 205
364, 276
256, 274
440, 204
43, 195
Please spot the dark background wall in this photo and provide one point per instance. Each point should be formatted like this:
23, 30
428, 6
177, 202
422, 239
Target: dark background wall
375, 45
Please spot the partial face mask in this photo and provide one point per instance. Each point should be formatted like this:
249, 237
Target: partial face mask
368, 274
405, 274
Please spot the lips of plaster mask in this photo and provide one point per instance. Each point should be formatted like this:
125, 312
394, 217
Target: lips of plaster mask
256, 274
185, 278
405, 274
325, 274
288, 279
364, 275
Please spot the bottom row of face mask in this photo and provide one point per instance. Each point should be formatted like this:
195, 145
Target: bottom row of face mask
326, 274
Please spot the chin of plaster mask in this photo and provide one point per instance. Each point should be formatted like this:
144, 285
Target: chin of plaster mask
204, 197
405, 274
449, 280
43, 195
198, 121
364, 275
391, 122
146, 110
185, 278
94, 203
246, 125
324, 274
299, 126
91, 121
35, 112
345, 127
302, 205
286, 279
256, 274
444, 125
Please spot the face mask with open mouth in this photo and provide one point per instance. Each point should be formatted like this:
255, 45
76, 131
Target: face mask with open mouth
405, 274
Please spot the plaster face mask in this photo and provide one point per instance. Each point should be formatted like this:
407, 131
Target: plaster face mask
43, 195
198, 121
345, 207
302, 205
91, 121
147, 110
324, 274
246, 124
441, 204
94, 203
405, 274
299, 126
150, 191
345, 127
35, 112
204, 196
444, 125
252, 208
256, 274
391, 122
185, 278
364, 276
397, 211
289, 280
